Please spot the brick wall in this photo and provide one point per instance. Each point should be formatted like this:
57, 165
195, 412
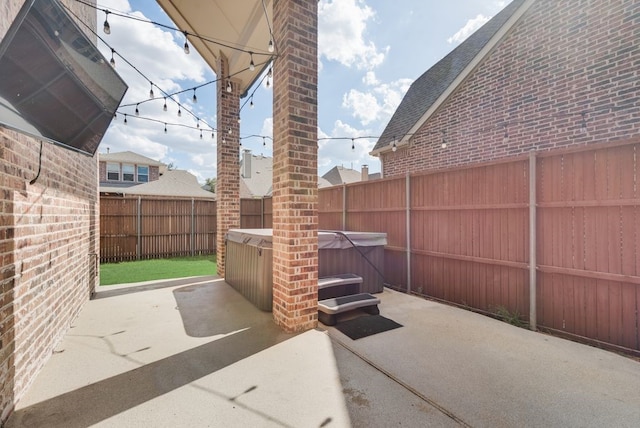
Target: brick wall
295, 165
228, 162
562, 59
48, 245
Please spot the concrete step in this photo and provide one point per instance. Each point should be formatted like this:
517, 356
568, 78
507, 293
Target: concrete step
329, 308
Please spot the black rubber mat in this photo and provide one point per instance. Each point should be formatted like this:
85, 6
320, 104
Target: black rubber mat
366, 325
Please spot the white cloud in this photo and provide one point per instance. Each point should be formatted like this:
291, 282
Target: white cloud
364, 105
377, 103
341, 34
370, 78
469, 28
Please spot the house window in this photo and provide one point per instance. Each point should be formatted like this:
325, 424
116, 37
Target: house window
143, 174
113, 171
128, 172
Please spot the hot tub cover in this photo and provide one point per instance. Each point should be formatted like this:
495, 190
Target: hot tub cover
263, 238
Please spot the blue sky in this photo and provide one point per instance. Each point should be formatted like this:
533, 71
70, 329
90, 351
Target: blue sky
369, 53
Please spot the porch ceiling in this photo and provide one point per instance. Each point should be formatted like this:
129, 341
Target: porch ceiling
230, 28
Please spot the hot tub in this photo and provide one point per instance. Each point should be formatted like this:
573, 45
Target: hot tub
250, 251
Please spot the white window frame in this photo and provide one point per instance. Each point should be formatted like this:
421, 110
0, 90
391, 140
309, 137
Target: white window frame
128, 172
113, 168
143, 175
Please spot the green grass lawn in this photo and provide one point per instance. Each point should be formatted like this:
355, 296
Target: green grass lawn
148, 270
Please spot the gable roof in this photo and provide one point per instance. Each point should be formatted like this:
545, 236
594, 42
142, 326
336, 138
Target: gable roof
431, 89
341, 175
177, 183
259, 178
128, 157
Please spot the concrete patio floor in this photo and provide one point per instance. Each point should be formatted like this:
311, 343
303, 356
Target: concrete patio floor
193, 352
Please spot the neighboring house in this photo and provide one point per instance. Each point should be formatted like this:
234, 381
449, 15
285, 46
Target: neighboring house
256, 175
341, 175
125, 169
539, 75
128, 173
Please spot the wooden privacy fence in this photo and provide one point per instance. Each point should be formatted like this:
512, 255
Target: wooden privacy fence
567, 222
146, 227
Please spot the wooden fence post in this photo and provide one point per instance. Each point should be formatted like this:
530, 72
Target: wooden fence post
532, 241
408, 229
344, 206
138, 227
193, 227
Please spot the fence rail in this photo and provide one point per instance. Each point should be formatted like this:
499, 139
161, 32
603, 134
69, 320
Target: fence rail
464, 236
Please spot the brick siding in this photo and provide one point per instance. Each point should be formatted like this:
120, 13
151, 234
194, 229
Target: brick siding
562, 59
49, 243
295, 170
228, 162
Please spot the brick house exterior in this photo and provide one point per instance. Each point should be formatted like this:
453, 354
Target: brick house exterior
142, 168
542, 74
49, 243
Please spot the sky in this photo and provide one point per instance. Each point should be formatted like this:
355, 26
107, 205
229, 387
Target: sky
370, 51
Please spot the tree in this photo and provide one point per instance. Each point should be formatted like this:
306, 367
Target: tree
211, 184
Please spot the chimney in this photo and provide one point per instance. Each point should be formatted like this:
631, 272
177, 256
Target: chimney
365, 173
246, 163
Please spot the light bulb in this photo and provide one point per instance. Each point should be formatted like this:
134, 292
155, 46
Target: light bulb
270, 73
137, 111
270, 45
583, 125
229, 88
195, 99
113, 61
106, 28
164, 107
264, 142
251, 102
353, 144
197, 122
125, 119
186, 44
268, 83
165, 128
443, 145
252, 65
201, 135
229, 130
394, 146
151, 94
239, 119
179, 112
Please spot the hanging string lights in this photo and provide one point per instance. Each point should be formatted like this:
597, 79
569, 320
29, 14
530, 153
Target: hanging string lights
186, 43
106, 27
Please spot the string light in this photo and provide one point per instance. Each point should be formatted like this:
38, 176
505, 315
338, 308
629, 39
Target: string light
165, 128
151, 94
179, 111
194, 98
394, 146
186, 44
164, 107
229, 131
137, 111
113, 61
229, 88
106, 28
201, 134
353, 144
583, 124
444, 141
270, 47
125, 119
239, 119
264, 142
197, 122
251, 102
252, 65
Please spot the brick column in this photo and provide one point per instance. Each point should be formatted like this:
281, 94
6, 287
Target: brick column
295, 165
228, 160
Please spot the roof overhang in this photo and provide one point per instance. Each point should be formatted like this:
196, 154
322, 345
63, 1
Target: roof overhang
227, 28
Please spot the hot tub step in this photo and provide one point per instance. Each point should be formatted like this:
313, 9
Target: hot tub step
339, 285
329, 308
